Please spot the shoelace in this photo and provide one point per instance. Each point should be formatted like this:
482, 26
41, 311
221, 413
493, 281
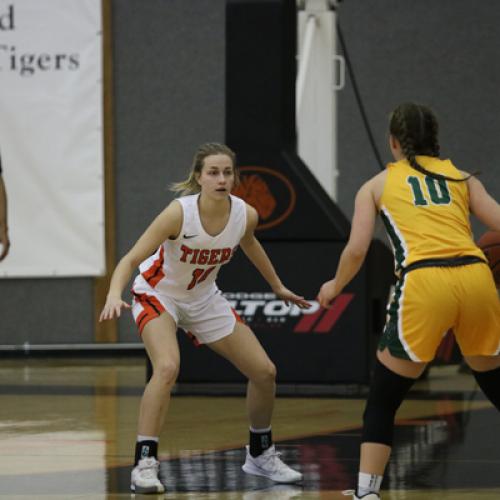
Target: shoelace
274, 458
148, 468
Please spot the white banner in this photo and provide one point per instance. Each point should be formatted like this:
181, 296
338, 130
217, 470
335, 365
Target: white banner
51, 137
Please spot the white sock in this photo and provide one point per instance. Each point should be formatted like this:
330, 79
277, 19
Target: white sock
260, 431
147, 438
368, 483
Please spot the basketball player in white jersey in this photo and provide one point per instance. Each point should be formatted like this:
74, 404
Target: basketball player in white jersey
193, 237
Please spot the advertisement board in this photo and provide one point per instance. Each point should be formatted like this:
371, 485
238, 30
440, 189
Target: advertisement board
315, 346
51, 137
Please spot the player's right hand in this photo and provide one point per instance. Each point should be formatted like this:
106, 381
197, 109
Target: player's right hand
112, 308
327, 293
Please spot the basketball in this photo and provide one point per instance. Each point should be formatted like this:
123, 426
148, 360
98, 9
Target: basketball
490, 245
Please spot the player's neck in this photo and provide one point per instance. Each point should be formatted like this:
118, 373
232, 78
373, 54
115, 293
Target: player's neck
398, 155
213, 207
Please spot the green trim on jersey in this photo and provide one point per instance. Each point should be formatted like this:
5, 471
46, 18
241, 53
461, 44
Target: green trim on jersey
397, 243
390, 336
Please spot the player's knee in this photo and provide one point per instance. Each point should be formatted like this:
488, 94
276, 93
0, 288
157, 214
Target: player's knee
266, 374
271, 371
166, 372
387, 391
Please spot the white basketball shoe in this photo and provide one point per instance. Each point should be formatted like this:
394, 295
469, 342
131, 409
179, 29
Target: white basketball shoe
270, 465
145, 477
369, 496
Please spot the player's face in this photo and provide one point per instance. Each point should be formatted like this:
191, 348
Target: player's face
217, 175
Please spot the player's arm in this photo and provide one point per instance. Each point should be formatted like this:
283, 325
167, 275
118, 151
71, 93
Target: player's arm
354, 253
166, 225
257, 255
4, 230
482, 205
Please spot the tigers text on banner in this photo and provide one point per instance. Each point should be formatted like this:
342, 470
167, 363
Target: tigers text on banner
51, 136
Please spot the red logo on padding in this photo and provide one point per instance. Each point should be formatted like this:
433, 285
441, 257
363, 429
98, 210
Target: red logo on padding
323, 320
269, 192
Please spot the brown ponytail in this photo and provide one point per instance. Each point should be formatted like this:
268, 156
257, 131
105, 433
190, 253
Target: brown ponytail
416, 128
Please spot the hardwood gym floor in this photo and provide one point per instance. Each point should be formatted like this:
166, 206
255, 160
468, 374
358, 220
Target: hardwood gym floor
67, 429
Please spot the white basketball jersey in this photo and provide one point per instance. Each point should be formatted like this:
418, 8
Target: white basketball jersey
185, 268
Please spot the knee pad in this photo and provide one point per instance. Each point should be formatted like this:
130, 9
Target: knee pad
387, 391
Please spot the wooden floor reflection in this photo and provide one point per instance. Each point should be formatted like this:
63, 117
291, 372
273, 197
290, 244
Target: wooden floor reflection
67, 430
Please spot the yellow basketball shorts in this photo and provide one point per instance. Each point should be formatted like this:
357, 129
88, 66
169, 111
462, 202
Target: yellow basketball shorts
429, 301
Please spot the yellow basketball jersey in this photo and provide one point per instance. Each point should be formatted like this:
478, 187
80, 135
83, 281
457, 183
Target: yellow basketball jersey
424, 217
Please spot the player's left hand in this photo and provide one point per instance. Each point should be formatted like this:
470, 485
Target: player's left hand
4, 243
288, 296
327, 293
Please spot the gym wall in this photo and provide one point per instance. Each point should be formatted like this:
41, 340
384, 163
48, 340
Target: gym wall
169, 97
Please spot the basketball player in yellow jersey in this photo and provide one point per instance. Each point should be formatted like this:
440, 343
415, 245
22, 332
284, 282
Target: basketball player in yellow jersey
443, 279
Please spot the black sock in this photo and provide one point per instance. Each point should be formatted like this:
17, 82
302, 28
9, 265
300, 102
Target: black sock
260, 442
144, 449
490, 384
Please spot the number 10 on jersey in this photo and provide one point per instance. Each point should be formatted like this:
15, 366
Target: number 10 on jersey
437, 190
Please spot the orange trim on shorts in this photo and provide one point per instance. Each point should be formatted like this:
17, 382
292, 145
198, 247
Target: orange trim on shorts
237, 316
193, 339
155, 273
152, 308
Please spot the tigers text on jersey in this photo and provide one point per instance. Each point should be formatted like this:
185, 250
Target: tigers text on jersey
185, 268
426, 218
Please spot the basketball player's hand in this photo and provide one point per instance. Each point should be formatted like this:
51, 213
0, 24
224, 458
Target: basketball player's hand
288, 296
4, 244
327, 293
112, 308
